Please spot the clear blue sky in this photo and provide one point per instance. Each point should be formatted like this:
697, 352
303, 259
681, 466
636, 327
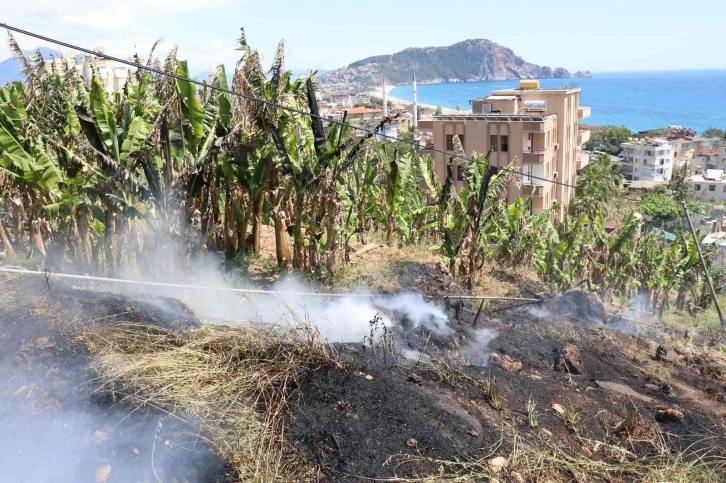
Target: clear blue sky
613, 35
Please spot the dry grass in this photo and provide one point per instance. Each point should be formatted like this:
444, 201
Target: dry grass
235, 384
537, 458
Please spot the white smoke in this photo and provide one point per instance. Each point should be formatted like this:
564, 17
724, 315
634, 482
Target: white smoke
477, 350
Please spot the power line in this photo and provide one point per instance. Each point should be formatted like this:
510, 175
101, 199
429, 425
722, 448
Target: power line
271, 103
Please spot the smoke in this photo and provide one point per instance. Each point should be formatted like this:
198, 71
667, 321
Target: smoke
477, 350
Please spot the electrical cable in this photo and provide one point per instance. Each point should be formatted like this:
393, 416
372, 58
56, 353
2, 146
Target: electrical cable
270, 103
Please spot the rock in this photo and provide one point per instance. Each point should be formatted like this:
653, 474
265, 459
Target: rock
473, 432
44, 343
369, 377
497, 464
443, 268
415, 379
506, 363
558, 409
102, 474
568, 360
546, 432
683, 351
652, 387
411, 443
668, 415
100, 435
666, 354
517, 477
587, 451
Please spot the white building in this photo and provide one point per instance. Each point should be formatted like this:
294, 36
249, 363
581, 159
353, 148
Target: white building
710, 184
647, 160
113, 74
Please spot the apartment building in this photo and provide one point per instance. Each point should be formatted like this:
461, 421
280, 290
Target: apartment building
647, 160
708, 159
364, 116
710, 184
113, 74
538, 128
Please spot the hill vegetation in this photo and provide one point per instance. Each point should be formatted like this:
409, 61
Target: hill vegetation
471, 60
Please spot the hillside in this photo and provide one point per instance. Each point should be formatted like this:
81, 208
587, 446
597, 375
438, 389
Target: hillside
471, 60
10, 68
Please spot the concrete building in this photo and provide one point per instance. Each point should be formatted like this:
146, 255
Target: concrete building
708, 185
710, 158
685, 149
539, 128
647, 160
364, 116
113, 74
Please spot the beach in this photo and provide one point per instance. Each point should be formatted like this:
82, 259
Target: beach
378, 92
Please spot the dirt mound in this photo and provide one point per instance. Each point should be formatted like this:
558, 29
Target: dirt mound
579, 305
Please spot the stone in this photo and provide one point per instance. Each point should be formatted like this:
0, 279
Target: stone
411, 443
546, 432
517, 477
474, 433
506, 363
558, 409
568, 360
587, 451
415, 378
668, 415
102, 474
369, 377
497, 464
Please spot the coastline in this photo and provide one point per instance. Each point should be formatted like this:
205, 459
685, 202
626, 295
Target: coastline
378, 92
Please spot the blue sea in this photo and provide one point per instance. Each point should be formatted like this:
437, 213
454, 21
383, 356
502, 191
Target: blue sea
637, 100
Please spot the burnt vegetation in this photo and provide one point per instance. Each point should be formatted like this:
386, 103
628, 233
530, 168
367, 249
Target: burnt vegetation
149, 181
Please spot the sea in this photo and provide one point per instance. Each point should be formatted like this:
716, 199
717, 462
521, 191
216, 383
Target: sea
637, 100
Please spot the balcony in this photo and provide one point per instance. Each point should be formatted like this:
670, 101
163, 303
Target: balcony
538, 157
583, 159
584, 112
535, 188
583, 136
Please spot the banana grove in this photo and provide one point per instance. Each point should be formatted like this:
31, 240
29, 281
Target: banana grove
109, 184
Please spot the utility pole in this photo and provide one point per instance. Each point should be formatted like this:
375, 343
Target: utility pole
705, 267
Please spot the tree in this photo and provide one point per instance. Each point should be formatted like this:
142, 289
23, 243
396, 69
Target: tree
713, 132
599, 182
439, 111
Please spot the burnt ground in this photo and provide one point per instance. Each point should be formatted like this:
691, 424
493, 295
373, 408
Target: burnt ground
55, 426
366, 421
366, 427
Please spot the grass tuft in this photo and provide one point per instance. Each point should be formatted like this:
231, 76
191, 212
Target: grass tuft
234, 383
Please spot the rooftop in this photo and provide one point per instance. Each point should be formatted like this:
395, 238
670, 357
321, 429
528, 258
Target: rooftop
708, 152
492, 117
364, 110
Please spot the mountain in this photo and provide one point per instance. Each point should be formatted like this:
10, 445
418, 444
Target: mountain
471, 60
10, 68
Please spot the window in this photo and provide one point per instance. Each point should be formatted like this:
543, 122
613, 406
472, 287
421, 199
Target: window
698, 187
662, 161
504, 140
712, 187
493, 142
724, 189
450, 141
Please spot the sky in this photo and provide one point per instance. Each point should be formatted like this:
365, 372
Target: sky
617, 35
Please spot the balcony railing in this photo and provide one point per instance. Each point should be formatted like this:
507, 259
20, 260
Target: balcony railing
538, 157
584, 112
532, 189
583, 136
